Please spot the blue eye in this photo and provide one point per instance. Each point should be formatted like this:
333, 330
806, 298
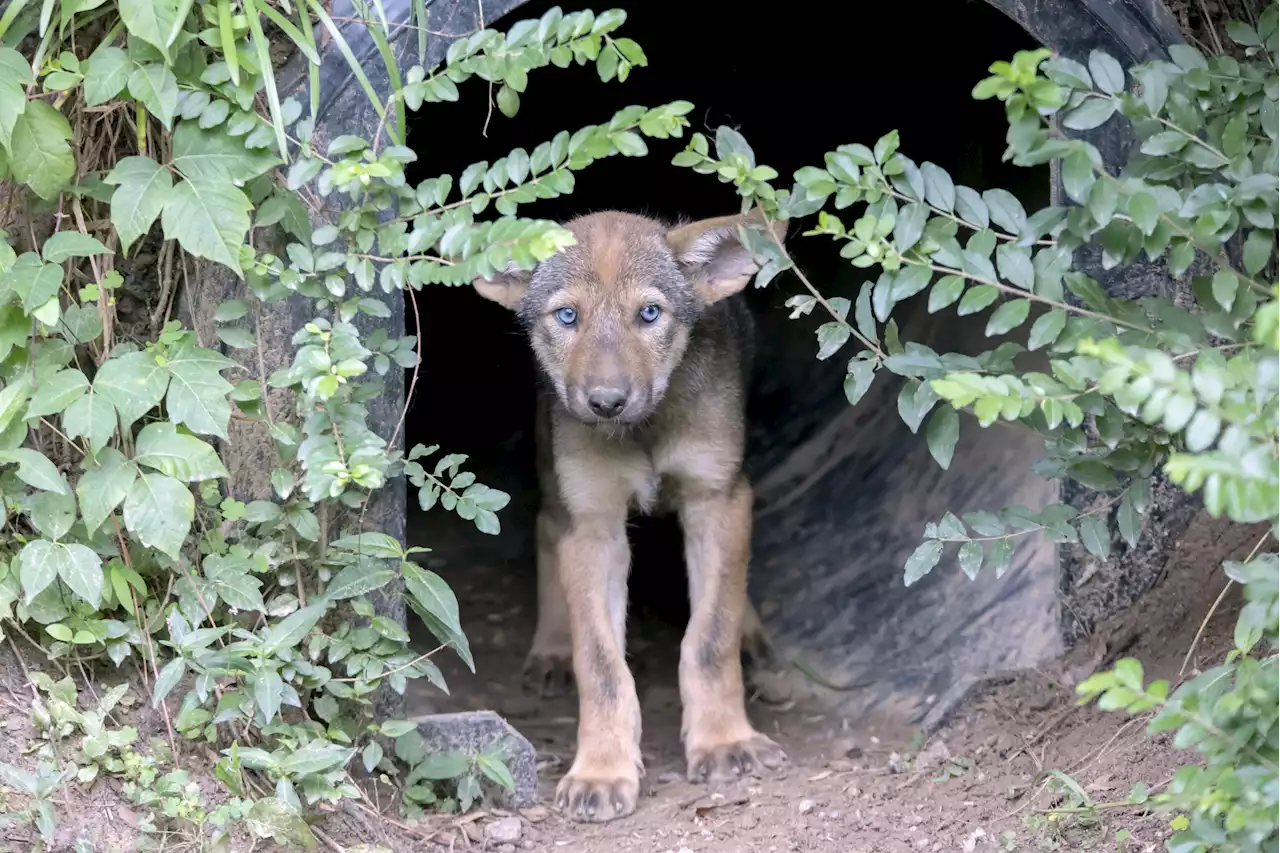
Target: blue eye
650, 313
567, 316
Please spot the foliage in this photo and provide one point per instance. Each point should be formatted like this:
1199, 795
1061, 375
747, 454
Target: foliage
264, 624
1135, 389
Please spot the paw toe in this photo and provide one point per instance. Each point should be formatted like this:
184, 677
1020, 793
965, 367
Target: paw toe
596, 800
730, 761
548, 675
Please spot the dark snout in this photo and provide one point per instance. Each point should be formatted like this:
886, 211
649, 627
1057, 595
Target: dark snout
607, 401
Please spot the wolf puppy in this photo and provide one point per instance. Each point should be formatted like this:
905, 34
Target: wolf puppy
645, 356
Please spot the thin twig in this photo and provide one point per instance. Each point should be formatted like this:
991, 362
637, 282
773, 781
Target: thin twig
1204, 624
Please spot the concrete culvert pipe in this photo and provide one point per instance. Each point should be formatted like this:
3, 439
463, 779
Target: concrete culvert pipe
843, 493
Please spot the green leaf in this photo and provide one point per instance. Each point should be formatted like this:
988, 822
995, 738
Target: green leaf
58, 391
154, 21
1257, 249
106, 72
209, 218
1000, 556
155, 86
133, 383
435, 596
90, 417
922, 561
942, 434
1144, 210
39, 155
52, 514
1225, 286
858, 380
198, 393
1014, 263
1107, 74
293, 629
35, 469
1006, 211
1008, 316
102, 488
371, 757
211, 156
976, 299
370, 543
971, 559
1046, 329
1095, 536
168, 679
142, 188
233, 583
71, 244
33, 281
945, 292
158, 511
939, 189
1094, 112
1128, 520
1202, 431
185, 457
362, 576
38, 566
268, 691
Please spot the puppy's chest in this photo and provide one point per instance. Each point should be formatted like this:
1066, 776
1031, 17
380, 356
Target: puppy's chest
648, 480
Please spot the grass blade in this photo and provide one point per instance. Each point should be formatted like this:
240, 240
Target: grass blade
382, 16
229, 42
336, 35
305, 44
421, 16
268, 76
46, 14
313, 71
397, 86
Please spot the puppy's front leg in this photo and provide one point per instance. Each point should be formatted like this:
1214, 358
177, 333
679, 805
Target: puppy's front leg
604, 781
720, 742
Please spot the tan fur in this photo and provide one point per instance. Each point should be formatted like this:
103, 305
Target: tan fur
676, 443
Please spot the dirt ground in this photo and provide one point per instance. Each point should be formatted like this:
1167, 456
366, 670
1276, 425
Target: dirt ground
855, 785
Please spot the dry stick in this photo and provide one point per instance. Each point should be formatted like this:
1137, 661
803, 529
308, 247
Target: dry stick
151, 649
1195, 641
1213, 30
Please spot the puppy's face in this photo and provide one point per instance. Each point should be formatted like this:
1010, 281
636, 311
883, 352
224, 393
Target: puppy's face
609, 318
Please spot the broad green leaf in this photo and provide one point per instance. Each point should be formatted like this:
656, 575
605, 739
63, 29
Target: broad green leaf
106, 72
1005, 209
976, 299
268, 691
315, 757
209, 156
1106, 72
154, 85
1008, 316
102, 488
945, 292
1257, 249
858, 380
209, 218
154, 21
51, 513
1000, 556
57, 393
33, 281
71, 244
158, 511
38, 566
91, 417
134, 383
1046, 329
1092, 113
169, 677
15, 327
372, 543
198, 392
35, 469
971, 559
142, 188
39, 153
922, 561
1225, 286
1128, 520
942, 433
433, 594
291, 630
233, 583
1014, 263
184, 457
13, 102
365, 575
1095, 536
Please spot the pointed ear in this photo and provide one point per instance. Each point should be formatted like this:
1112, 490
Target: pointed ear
505, 288
713, 257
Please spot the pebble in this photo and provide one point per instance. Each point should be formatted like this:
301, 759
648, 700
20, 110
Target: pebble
807, 806
669, 777
503, 831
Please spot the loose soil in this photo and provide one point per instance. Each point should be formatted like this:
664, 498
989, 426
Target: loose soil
857, 785
852, 786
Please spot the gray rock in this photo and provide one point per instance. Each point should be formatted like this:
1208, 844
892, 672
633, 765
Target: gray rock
503, 831
472, 731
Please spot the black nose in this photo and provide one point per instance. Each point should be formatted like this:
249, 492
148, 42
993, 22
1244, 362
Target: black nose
606, 402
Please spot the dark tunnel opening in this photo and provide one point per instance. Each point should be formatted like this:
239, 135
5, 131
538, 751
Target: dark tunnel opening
842, 494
